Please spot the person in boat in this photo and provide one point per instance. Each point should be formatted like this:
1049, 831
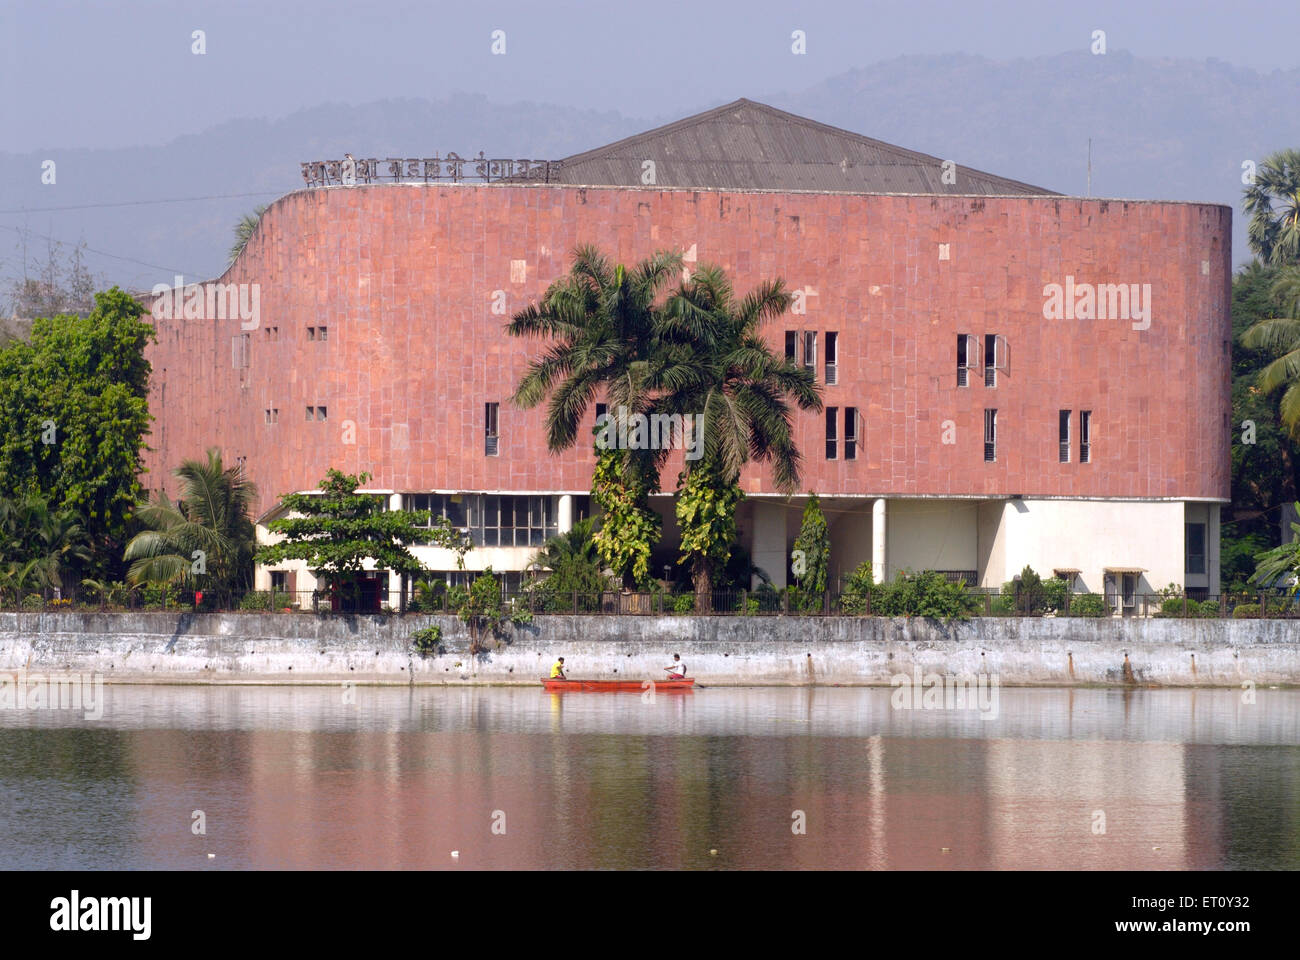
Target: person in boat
678, 670
557, 670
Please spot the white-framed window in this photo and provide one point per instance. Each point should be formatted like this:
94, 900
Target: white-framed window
990, 436
968, 357
832, 435
810, 351
1085, 436
1063, 435
832, 357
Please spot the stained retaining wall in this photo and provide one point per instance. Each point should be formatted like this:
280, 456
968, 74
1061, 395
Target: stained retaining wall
725, 650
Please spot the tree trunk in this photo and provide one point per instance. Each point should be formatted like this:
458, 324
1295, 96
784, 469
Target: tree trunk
702, 576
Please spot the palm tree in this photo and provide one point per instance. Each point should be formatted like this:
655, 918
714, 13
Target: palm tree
576, 547
245, 229
39, 544
207, 533
603, 320
1281, 336
714, 362
1274, 231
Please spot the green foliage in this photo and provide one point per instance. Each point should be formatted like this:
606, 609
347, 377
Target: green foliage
925, 594
39, 548
1281, 565
573, 564
73, 416
482, 609
1087, 605
33, 601
338, 530
812, 552
245, 229
160, 596
427, 641
684, 603
1028, 593
427, 596
859, 589
113, 593
629, 529
706, 514
1054, 591
1272, 201
265, 600
206, 539
1245, 611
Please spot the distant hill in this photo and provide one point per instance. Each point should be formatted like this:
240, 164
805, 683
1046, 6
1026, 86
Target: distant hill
1161, 129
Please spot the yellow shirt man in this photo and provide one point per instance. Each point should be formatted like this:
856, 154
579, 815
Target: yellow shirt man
557, 670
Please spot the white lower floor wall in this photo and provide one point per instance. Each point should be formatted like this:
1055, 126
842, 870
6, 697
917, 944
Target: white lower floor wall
1102, 546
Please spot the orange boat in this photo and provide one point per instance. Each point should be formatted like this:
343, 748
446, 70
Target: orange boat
591, 686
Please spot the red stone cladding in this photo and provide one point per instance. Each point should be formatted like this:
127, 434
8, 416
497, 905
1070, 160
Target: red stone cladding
404, 277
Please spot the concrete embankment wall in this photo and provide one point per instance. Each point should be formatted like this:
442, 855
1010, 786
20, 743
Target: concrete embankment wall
301, 648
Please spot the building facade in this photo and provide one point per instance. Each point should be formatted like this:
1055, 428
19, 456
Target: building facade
1010, 378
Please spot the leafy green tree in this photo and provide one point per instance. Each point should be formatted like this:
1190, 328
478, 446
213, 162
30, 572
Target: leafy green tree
1272, 202
245, 229
629, 528
73, 416
812, 555
338, 530
706, 513
206, 539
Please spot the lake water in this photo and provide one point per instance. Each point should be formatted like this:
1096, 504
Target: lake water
303, 777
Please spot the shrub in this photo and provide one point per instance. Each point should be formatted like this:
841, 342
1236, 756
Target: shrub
925, 594
427, 596
1087, 605
1245, 611
263, 600
684, 603
154, 595
1054, 591
1003, 606
1178, 607
33, 601
427, 641
859, 589
1028, 593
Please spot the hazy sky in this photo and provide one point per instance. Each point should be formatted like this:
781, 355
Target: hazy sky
111, 74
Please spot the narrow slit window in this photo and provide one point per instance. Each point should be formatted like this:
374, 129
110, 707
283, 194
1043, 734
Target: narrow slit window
1063, 431
850, 433
1085, 436
791, 345
810, 351
990, 436
832, 357
491, 443
990, 360
962, 359
832, 438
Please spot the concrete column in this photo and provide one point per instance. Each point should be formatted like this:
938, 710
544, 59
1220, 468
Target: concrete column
1212, 556
564, 515
769, 547
878, 541
394, 579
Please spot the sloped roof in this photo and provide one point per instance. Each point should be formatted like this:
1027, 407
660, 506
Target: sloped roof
748, 145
